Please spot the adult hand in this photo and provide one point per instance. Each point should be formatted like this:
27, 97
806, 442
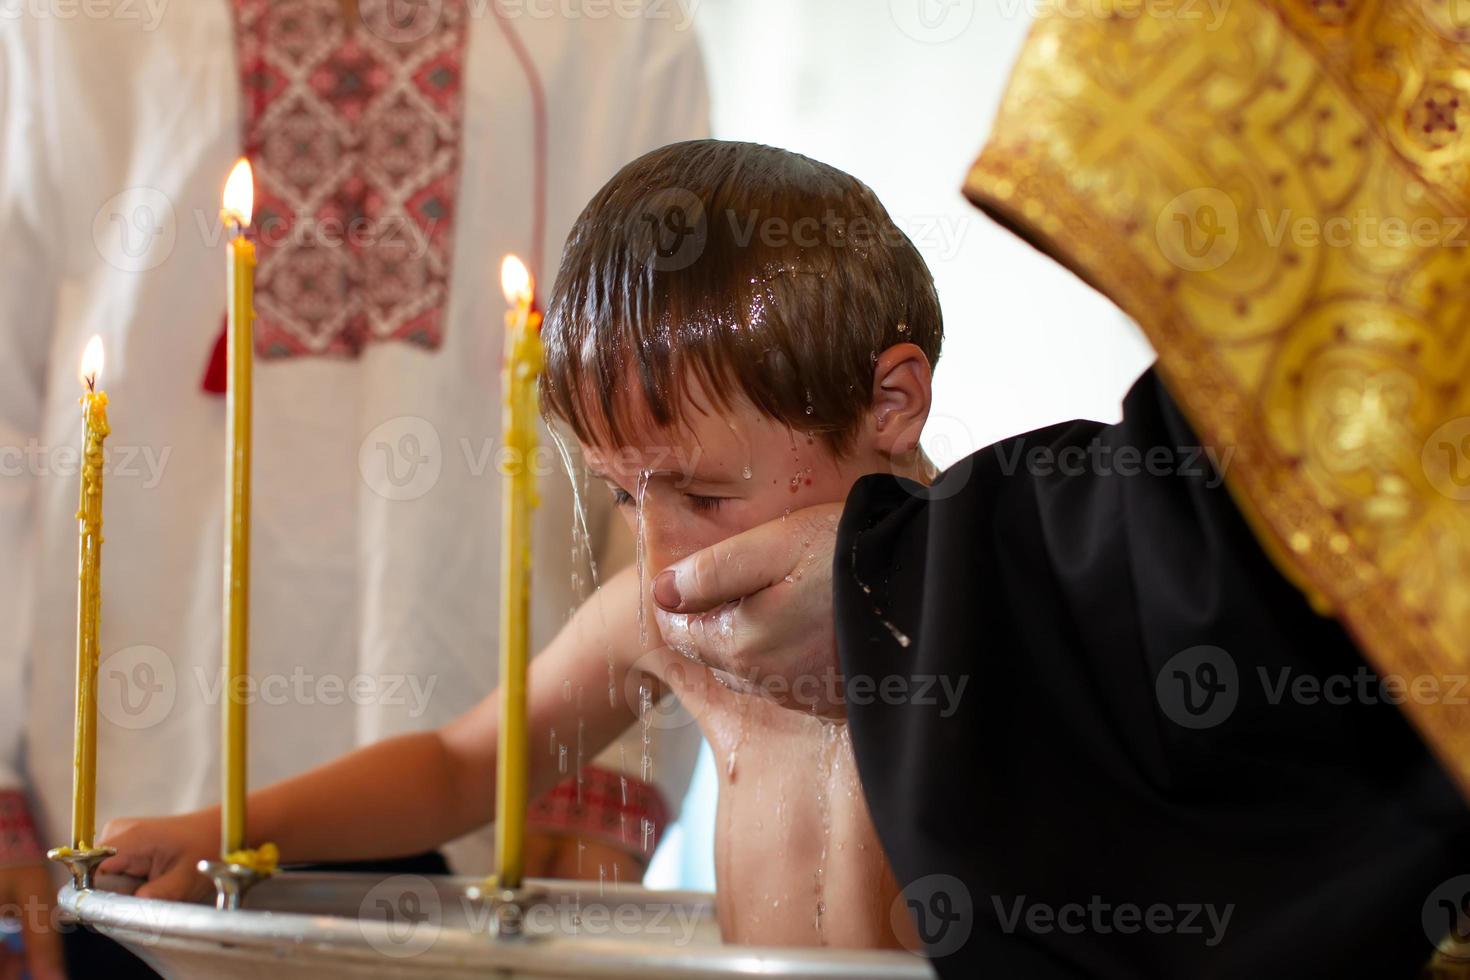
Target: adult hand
26, 895
757, 608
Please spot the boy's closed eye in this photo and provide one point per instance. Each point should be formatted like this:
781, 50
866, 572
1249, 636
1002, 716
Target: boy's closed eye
699, 502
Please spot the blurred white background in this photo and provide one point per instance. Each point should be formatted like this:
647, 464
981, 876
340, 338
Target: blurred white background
900, 93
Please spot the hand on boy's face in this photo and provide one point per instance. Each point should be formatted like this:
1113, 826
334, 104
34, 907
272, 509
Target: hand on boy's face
758, 607
748, 508
718, 475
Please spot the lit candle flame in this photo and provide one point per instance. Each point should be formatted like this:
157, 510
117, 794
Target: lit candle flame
240, 194
515, 280
91, 368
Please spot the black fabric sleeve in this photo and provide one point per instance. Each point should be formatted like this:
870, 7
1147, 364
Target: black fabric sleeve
1099, 734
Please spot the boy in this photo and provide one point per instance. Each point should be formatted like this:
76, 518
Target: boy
737, 332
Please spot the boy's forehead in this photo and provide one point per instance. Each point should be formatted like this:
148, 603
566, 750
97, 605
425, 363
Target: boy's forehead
675, 450
701, 432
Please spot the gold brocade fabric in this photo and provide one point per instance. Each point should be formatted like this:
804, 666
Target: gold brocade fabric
1278, 193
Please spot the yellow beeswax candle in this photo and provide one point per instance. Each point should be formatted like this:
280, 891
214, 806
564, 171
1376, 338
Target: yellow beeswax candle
89, 601
238, 205
523, 362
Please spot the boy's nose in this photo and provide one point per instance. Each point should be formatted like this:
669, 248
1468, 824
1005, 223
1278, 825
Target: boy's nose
663, 539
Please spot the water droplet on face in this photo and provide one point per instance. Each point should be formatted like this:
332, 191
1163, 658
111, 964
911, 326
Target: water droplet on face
561, 759
810, 410
747, 472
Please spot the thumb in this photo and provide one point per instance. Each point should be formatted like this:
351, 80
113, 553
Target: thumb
746, 563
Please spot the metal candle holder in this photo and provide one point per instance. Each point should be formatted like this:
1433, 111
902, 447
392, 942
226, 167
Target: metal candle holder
81, 863
507, 907
231, 882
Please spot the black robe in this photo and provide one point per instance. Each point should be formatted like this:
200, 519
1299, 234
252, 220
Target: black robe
1124, 758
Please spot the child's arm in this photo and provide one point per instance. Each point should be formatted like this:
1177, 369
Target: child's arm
413, 793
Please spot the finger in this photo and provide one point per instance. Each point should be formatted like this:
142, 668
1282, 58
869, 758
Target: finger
177, 884
744, 564
132, 863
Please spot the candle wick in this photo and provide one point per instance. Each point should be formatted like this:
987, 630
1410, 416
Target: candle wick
92, 383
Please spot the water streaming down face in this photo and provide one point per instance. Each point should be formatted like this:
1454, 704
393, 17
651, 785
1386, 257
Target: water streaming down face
640, 550
582, 548
581, 538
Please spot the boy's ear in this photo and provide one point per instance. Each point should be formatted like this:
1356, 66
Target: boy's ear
902, 393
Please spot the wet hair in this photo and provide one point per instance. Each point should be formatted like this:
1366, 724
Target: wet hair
748, 269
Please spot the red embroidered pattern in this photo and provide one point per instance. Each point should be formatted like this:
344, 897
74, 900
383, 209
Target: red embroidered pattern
353, 130
18, 842
614, 808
